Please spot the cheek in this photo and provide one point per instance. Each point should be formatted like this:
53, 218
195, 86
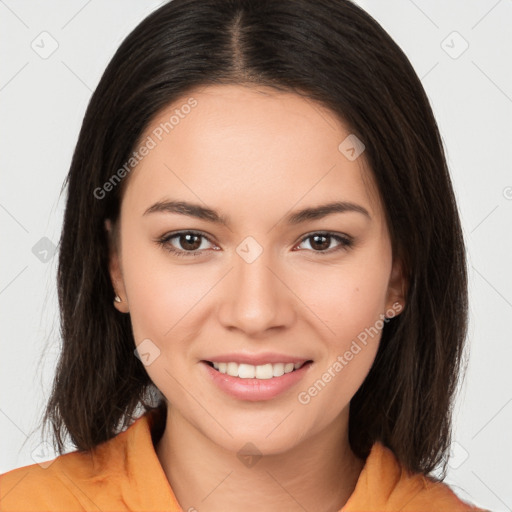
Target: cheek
350, 351
164, 300
349, 302
349, 297
161, 294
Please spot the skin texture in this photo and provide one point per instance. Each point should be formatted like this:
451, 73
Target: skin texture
255, 155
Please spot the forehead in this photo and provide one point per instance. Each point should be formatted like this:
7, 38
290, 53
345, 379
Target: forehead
249, 145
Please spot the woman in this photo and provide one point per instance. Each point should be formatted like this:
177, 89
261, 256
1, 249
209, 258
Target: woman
261, 276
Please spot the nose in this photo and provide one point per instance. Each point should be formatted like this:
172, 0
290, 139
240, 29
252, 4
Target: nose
255, 297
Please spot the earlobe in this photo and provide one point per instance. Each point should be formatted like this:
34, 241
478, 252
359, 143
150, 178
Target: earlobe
120, 302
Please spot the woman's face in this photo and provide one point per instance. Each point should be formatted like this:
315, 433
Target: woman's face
266, 282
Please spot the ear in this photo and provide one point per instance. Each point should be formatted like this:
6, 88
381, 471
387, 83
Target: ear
116, 275
395, 300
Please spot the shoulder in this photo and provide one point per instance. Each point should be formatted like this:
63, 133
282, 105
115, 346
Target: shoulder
46, 486
122, 473
419, 493
384, 485
74, 481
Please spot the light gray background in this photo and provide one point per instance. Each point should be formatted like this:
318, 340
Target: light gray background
42, 102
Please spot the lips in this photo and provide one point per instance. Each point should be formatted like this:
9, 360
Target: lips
254, 389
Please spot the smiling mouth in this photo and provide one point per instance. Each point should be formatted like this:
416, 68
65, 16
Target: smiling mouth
263, 372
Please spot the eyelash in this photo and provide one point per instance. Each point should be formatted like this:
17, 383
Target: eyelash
346, 242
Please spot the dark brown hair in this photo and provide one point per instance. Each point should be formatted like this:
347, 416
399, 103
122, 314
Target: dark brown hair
329, 51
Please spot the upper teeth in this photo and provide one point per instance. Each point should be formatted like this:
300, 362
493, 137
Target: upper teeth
262, 371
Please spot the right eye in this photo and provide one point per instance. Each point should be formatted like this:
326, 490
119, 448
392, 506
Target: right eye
187, 239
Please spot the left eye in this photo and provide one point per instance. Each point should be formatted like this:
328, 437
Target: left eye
322, 241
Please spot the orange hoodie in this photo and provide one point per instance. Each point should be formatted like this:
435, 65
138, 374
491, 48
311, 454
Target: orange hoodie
124, 473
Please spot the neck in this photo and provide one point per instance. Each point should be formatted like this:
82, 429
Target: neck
319, 473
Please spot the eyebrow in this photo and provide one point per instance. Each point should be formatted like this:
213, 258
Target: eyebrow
207, 214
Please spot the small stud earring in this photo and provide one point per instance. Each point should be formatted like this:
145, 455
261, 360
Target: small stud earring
118, 299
